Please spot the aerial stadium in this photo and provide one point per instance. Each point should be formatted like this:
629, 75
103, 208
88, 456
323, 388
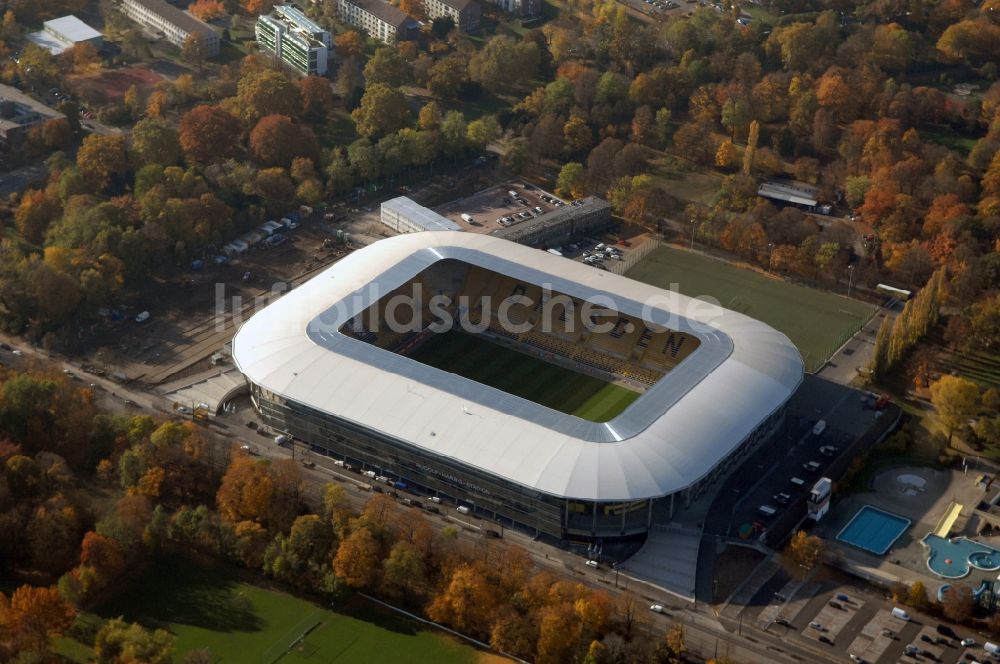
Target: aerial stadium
529, 388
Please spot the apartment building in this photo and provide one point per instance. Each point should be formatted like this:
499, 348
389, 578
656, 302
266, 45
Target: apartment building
378, 18
174, 24
465, 13
295, 40
522, 8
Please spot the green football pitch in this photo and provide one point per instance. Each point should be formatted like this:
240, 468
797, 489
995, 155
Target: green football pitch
240, 622
525, 376
817, 322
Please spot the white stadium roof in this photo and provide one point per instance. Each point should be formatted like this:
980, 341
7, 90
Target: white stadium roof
665, 441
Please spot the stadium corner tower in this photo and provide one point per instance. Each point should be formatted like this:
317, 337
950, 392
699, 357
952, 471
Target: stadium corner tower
330, 365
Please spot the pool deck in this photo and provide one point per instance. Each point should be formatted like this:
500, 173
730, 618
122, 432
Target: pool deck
906, 561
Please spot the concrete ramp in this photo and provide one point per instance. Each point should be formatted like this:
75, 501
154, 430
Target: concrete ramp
213, 391
669, 560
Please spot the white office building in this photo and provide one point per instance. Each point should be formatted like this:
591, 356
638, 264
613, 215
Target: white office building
295, 40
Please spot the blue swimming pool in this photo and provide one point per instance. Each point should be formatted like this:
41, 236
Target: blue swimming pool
873, 530
954, 558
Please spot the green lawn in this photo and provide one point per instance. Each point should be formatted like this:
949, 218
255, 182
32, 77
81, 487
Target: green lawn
246, 624
816, 321
982, 367
525, 376
951, 139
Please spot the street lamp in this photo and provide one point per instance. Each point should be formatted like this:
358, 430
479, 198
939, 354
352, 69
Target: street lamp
850, 279
770, 256
693, 221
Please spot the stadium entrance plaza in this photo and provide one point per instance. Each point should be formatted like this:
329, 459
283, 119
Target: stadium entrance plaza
678, 558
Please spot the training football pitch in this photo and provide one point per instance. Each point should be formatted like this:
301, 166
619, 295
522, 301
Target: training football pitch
240, 622
817, 322
478, 359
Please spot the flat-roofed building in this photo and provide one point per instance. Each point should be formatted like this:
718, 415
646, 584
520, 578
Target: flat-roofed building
405, 215
295, 40
19, 113
378, 18
174, 24
65, 32
466, 14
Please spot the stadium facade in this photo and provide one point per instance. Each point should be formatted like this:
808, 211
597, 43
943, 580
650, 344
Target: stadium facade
324, 370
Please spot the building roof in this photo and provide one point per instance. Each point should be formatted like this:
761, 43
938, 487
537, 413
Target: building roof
72, 28
790, 192
553, 217
23, 110
181, 19
459, 5
427, 219
384, 11
665, 441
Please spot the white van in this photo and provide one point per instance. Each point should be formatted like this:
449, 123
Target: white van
435, 499
991, 648
467, 218
903, 615
462, 509
766, 510
369, 473
798, 482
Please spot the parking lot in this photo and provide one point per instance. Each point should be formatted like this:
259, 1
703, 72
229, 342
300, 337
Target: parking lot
496, 207
802, 456
829, 617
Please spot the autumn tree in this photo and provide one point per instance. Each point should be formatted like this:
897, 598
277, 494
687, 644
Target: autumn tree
207, 10
100, 158
36, 211
357, 559
257, 7
958, 603
414, 9
916, 596
466, 602
956, 400
570, 183
155, 141
388, 66
350, 44
260, 491
276, 140
447, 76
33, 615
119, 642
672, 649
317, 96
804, 551
208, 134
504, 62
383, 110
194, 50
482, 131
264, 91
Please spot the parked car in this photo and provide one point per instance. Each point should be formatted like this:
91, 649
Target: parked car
657, 608
592, 563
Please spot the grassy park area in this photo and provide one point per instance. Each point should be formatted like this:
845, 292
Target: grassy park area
817, 322
238, 621
525, 376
